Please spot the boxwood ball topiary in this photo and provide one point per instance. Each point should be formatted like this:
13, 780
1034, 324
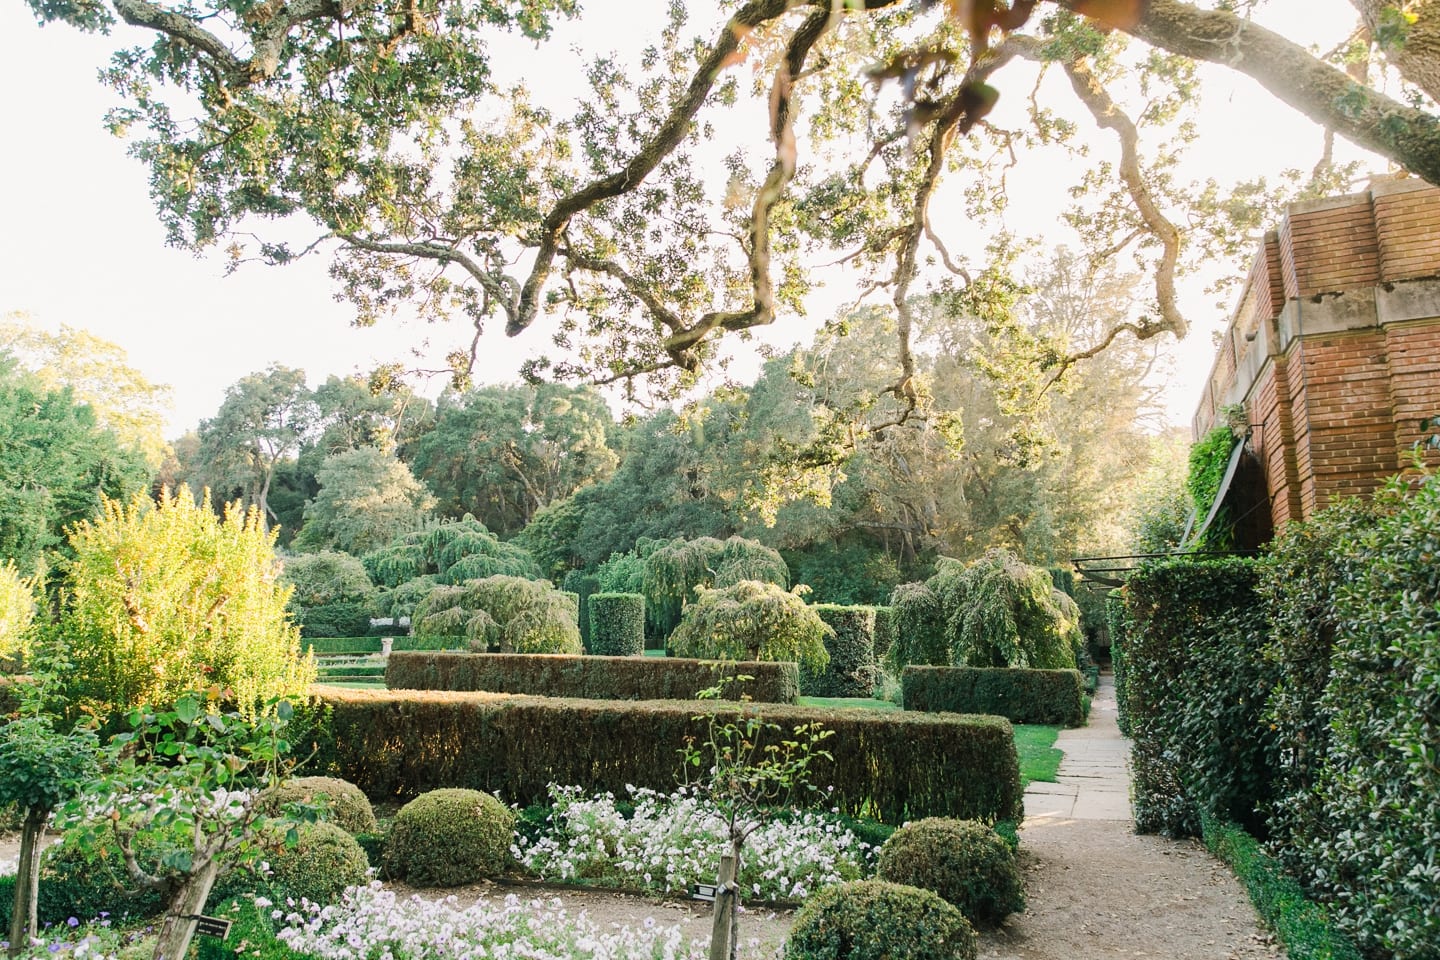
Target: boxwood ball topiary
322, 863
345, 804
449, 837
876, 920
964, 861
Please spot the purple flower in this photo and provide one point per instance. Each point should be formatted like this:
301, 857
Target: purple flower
73, 922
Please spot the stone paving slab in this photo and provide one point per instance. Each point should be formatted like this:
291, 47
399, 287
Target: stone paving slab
1093, 781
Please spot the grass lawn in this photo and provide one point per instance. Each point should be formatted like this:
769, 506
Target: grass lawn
1039, 758
862, 703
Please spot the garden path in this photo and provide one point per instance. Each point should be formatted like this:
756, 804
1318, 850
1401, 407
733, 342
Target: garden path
1096, 890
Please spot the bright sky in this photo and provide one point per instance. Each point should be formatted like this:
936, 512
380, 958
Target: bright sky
80, 244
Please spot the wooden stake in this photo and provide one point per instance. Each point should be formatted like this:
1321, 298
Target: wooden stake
722, 932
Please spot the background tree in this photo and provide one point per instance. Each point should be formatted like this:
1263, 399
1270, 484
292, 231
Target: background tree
263, 420
503, 453
366, 499
610, 219
56, 464
98, 374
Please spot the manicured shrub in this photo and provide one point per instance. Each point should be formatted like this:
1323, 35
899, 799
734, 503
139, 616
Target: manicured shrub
876, 920
330, 646
852, 671
1196, 684
617, 624
1019, 695
919, 627
963, 861
752, 621
593, 678
324, 860
450, 837
884, 632
80, 882
889, 766
345, 804
1301, 925
451, 552
501, 613
163, 596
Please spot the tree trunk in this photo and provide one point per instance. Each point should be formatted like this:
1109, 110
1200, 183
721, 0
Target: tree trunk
189, 900
722, 931
23, 921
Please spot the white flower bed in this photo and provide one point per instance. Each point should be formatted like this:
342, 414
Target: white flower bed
371, 923
672, 841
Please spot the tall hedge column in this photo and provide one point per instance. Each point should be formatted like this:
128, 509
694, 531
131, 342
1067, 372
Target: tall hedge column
617, 624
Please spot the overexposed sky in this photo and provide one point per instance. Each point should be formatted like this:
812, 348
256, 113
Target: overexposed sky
80, 243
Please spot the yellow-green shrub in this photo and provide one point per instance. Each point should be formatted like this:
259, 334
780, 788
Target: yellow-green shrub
17, 613
322, 863
163, 597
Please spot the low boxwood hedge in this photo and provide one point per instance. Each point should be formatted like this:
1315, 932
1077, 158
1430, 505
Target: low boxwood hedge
590, 678
891, 766
1019, 695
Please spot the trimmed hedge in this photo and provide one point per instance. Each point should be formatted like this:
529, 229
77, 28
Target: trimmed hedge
1196, 686
890, 766
884, 631
1300, 924
852, 671
1021, 696
343, 618
590, 678
331, 646
617, 624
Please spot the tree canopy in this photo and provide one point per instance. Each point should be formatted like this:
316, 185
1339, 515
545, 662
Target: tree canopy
689, 196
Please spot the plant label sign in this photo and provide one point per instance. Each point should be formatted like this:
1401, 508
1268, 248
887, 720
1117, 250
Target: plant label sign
211, 927
703, 891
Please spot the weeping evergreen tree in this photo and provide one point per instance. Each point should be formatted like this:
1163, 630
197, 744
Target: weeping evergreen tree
449, 553
751, 620
996, 611
502, 614
674, 570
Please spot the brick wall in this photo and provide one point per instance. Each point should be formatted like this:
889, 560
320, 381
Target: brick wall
1334, 347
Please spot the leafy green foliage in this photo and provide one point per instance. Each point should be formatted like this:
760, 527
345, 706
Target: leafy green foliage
675, 570
876, 920
450, 837
1195, 694
851, 670
56, 465
617, 624
592, 678
918, 627
752, 621
884, 763
366, 498
963, 861
1018, 694
992, 612
98, 374
164, 595
321, 863
17, 614
332, 595
505, 614
1208, 460
1371, 849
452, 552
339, 802
1300, 924
506, 453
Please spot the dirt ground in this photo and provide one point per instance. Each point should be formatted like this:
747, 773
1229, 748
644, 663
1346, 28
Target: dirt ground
1096, 891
